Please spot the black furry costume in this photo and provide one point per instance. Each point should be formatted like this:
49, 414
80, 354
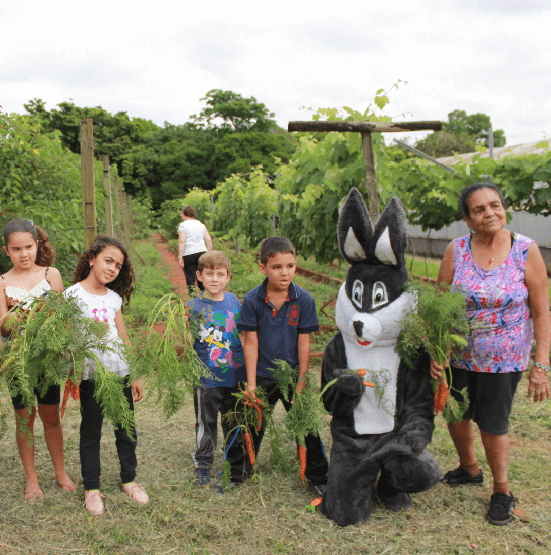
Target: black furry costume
366, 311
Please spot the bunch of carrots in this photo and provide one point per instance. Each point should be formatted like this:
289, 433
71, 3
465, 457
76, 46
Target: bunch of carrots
252, 414
439, 324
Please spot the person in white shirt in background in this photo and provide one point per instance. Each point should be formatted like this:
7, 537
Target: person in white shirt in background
193, 241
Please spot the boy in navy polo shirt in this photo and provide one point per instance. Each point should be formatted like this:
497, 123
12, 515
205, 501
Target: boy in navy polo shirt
278, 318
213, 316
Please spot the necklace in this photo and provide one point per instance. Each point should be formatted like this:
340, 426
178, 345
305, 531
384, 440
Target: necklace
491, 260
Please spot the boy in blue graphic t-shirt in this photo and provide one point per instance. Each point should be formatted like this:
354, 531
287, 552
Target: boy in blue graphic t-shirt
213, 317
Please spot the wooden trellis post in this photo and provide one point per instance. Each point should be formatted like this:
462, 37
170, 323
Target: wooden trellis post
124, 211
87, 170
108, 198
366, 128
130, 217
117, 207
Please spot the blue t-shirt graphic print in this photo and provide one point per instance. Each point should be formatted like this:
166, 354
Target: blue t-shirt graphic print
216, 339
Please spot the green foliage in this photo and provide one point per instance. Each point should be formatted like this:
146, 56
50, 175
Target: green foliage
235, 112
245, 205
445, 143
517, 178
475, 125
380, 381
462, 133
162, 163
453, 409
438, 323
151, 285
167, 357
245, 415
320, 175
429, 194
41, 180
240, 152
114, 135
170, 210
109, 393
305, 416
142, 217
49, 335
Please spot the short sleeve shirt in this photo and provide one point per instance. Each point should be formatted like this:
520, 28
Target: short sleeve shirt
278, 330
102, 308
217, 342
195, 236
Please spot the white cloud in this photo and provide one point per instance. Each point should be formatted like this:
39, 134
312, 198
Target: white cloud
157, 60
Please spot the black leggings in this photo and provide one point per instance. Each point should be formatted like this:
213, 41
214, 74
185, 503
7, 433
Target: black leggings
190, 269
90, 438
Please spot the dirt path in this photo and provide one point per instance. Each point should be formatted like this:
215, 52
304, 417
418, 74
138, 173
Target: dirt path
176, 276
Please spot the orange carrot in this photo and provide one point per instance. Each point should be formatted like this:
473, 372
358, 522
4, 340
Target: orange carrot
440, 396
259, 423
65, 396
315, 502
368, 384
361, 372
249, 444
72, 389
302, 461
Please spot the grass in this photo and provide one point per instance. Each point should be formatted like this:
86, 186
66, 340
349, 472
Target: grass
269, 514
151, 285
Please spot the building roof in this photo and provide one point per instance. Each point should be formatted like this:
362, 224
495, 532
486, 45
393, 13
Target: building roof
537, 147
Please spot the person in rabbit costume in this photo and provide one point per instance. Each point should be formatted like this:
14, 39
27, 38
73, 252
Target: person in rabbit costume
382, 409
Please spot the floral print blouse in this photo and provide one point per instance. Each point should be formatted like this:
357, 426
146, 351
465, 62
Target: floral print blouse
500, 337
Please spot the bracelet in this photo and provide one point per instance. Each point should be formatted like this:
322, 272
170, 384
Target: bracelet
542, 366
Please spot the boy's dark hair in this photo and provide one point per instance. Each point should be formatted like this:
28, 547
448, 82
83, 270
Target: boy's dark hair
45, 253
274, 245
123, 284
188, 211
214, 259
468, 191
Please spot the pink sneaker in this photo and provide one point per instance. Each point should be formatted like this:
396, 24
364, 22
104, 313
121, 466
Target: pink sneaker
93, 503
136, 493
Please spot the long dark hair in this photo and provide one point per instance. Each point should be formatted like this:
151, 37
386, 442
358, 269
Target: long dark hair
45, 253
123, 284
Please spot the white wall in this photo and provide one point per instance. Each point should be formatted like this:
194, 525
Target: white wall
536, 227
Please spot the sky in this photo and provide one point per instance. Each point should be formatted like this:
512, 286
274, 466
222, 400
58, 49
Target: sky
157, 60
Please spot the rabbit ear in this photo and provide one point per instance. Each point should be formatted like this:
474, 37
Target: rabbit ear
355, 229
390, 237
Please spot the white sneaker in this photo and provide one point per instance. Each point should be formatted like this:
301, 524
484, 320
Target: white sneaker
136, 493
93, 503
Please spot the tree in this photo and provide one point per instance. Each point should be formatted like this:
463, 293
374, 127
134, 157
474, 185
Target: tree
237, 113
443, 143
462, 133
232, 135
475, 125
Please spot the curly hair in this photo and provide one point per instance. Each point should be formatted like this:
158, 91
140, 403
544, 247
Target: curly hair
123, 284
45, 253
